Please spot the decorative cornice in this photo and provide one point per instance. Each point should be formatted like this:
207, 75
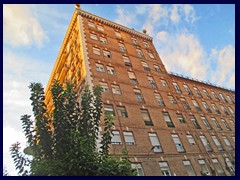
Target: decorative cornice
112, 24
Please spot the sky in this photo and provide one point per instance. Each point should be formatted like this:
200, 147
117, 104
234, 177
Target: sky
193, 40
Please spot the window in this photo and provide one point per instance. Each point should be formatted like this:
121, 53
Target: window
118, 35
116, 139
180, 118
111, 70
122, 48
146, 44
197, 91
106, 54
100, 28
138, 168
146, 117
191, 139
108, 109
206, 123
104, 86
159, 99
152, 82
194, 121
90, 24
178, 143
230, 147
206, 107
155, 142
189, 168
165, 169
216, 109
132, 77
178, 90
207, 94
116, 89
224, 110
185, 104
138, 96
205, 143
135, 41
217, 143
226, 124
127, 61
164, 83
233, 138
128, 136
196, 105
103, 40
218, 167
157, 68
122, 111
229, 97
231, 111
216, 124
96, 51
140, 54
230, 166
172, 100
214, 95
168, 120
151, 55
189, 92
100, 67
232, 122
145, 66
223, 98
204, 168
93, 36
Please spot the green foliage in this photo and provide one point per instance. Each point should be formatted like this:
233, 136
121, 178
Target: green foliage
63, 143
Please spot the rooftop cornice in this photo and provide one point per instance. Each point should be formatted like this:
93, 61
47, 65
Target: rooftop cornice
112, 24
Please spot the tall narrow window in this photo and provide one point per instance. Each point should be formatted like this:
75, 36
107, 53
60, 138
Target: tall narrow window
205, 143
197, 91
99, 67
207, 94
122, 112
178, 143
129, 139
191, 139
127, 61
204, 169
152, 82
229, 97
216, 124
116, 89
178, 90
146, 117
165, 169
164, 83
215, 95
118, 35
157, 68
194, 121
100, 28
132, 77
230, 166
189, 92
93, 36
108, 109
151, 55
189, 168
223, 98
104, 86
135, 41
140, 54
172, 100
138, 96
96, 51
226, 125
145, 66
196, 105
231, 110
218, 167
206, 107
116, 139
217, 143
206, 123
106, 54
122, 48
146, 44
138, 168
159, 99
216, 109
103, 40
180, 118
224, 110
230, 147
232, 122
233, 138
90, 24
168, 120
111, 70
185, 104
155, 142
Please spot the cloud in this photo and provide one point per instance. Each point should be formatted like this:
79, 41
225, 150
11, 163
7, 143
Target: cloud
21, 27
124, 17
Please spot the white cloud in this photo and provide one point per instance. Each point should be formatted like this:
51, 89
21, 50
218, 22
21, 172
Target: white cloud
21, 27
124, 17
174, 14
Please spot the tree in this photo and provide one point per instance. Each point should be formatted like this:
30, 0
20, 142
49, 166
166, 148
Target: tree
5, 173
63, 141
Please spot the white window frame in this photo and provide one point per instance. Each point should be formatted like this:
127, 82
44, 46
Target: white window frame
116, 138
128, 136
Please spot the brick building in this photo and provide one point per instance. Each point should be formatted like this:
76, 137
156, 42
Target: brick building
170, 124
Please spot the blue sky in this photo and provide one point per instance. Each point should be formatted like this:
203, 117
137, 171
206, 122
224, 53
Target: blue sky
193, 40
